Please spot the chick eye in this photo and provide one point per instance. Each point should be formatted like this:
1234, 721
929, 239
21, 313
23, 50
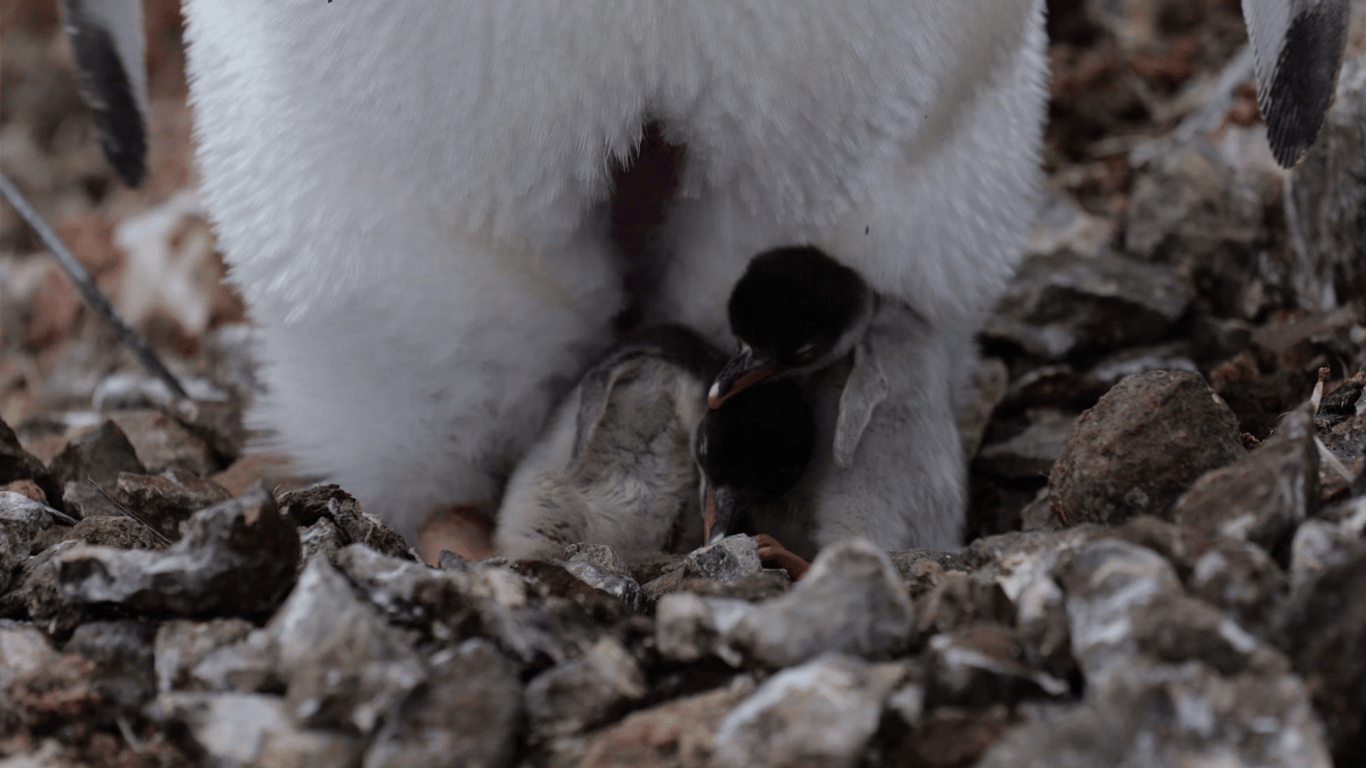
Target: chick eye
806, 350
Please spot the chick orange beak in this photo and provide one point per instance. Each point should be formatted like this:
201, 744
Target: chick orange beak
741, 372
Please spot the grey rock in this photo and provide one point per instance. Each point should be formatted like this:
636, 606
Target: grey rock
99, 455
238, 730
578, 694
1234, 575
116, 532
601, 556
1305, 341
1037, 515
1141, 446
250, 666
1017, 561
1032, 452
217, 422
730, 560
1171, 356
851, 601
468, 713
306, 506
411, 594
33, 593
958, 600
689, 627
18, 464
1322, 627
1325, 201
85, 501
820, 713
1106, 583
182, 644
163, 443
1024, 565
988, 384
320, 538
21, 520
166, 501
1172, 628
1060, 304
345, 667
1263, 496
1241, 579
678, 733
24, 650
1188, 716
291, 748
542, 616
621, 586
1340, 404
906, 561
981, 665
1058, 385
1062, 225
949, 737
236, 557
1203, 206
1327, 540
121, 653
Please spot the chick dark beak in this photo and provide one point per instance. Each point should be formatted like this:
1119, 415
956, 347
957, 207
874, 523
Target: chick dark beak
740, 372
718, 516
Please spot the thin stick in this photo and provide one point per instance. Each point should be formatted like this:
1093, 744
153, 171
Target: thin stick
130, 514
96, 298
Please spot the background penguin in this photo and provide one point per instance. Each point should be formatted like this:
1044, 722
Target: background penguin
615, 465
413, 204
889, 463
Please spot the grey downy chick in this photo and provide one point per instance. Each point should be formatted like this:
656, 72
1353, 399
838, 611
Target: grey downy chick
888, 464
614, 464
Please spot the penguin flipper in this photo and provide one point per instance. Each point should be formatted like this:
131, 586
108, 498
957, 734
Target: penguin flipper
864, 390
107, 41
1297, 49
594, 392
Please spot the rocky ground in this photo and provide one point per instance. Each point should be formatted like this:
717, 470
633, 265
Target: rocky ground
1167, 564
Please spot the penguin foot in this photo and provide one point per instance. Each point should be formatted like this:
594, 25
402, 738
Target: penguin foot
463, 530
770, 550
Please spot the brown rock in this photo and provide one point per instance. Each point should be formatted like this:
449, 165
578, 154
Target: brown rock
18, 464
162, 443
1263, 496
1063, 303
166, 501
677, 734
951, 737
1323, 630
99, 455
1141, 446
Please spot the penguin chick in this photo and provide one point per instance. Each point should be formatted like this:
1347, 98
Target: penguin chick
795, 310
613, 466
888, 462
752, 452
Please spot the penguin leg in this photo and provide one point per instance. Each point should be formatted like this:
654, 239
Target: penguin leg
772, 551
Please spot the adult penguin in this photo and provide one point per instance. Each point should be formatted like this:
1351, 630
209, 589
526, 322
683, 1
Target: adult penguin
413, 198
